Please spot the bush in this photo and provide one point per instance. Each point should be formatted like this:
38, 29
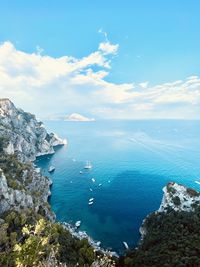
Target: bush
176, 201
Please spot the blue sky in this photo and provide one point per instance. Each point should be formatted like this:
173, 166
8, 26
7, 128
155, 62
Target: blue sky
158, 42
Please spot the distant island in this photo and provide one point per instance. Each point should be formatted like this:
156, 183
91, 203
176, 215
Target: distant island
77, 117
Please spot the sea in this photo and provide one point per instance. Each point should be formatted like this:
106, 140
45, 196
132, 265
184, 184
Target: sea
131, 162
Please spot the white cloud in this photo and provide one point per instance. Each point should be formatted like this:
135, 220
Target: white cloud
108, 48
47, 86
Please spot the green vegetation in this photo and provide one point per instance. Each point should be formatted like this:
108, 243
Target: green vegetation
176, 201
28, 239
13, 170
170, 189
172, 240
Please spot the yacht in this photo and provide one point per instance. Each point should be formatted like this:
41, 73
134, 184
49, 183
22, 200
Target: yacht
51, 169
125, 245
88, 165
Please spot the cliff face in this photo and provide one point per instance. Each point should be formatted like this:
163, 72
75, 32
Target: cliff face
22, 139
25, 135
12, 199
179, 198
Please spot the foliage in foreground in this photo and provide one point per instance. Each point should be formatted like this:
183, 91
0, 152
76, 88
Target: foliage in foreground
30, 240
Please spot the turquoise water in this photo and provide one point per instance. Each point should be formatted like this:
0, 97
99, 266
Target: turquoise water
132, 160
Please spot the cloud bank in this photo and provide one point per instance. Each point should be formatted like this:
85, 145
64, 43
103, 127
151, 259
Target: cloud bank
50, 86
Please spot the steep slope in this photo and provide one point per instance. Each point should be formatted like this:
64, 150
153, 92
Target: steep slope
24, 135
22, 139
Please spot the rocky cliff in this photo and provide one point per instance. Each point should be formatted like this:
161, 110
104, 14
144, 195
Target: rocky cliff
179, 198
22, 139
24, 135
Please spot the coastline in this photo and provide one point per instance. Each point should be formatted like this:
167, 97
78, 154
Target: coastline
83, 235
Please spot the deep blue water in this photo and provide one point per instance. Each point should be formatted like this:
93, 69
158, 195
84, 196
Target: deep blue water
132, 160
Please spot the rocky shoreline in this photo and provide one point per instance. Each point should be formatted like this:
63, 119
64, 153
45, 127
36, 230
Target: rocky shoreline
83, 235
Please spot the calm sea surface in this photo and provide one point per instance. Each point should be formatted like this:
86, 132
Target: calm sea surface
132, 161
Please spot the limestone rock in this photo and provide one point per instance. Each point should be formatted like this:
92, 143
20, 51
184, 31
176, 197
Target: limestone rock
26, 136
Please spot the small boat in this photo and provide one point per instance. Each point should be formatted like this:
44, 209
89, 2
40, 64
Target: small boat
125, 245
91, 190
90, 203
80, 172
78, 224
197, 182
93, 180
100, 184
51, 169
88, 165
91, 199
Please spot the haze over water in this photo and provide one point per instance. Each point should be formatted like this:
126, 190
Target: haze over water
132, 161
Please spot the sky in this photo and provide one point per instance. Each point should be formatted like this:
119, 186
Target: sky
104, 59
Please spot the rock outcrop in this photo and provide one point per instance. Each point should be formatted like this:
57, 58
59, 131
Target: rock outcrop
13, 199
22, 139
179, 198
25, 136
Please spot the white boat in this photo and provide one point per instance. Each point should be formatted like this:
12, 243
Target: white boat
88, 165
90, 203
125, 245
91, 199
78, 224
93, 180
197, 182
51, 169
80, 172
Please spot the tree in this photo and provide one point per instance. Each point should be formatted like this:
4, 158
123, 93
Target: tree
37, 246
